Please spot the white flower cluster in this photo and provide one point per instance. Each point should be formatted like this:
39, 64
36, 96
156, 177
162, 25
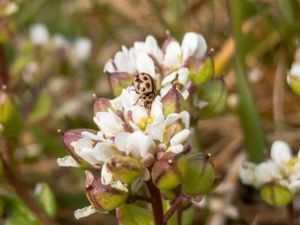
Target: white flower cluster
128, 129
169, 65
81, 48
282, 169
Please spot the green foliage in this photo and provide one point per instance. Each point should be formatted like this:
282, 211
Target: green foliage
134, 215
46, 199
10, 118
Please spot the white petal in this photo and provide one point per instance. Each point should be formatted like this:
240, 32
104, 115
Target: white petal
67, 161
172, 57
84, 212
185, 117
109, 67
103, 152
280, 152
106, 176
123, 62
109, 123
169, 78
156, 128
176, 149
138, 113
156, 108
119, 185
140, 144
193, 45
180, 137
267, 172
121, 141
183, 76
171, 118
165, 89
185, 94
153, 48
247, 173
144, 64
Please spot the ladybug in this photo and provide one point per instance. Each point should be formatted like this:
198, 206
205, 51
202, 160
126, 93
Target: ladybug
144, 85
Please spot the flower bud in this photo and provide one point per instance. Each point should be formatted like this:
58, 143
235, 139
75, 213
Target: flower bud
276, 195
118, 81
173, 102
103, 197
201, 71
125, 168
200, 177
168, 171
71, 136
101, 104
213, 97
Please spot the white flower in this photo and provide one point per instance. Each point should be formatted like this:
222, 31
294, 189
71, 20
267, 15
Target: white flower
82, 48
282, 168
295, 70
109, 123
39, 34
136, 143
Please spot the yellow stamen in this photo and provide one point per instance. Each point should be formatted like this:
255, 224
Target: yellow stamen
145, 121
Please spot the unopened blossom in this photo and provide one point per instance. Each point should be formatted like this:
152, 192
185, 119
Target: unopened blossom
39, 34
282, 168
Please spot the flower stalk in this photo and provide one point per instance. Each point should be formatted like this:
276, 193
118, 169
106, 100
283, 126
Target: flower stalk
253, 133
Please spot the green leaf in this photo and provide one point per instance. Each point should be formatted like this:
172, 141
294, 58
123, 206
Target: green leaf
134, 215
45, 199
42, 107
276, 195
10, 118
20, 213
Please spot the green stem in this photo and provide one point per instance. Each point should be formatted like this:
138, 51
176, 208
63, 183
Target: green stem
253, 133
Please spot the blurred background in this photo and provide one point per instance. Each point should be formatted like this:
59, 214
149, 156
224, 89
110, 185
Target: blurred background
51, 61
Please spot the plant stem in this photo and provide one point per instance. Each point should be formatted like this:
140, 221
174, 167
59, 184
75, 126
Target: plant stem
157, 207
174, 207
290, 214
3, 67
253, 133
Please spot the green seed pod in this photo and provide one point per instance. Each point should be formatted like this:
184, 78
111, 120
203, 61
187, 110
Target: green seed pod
276, 195
125, 168
168, 171
103, 197
200, 175
201, 71
210, 99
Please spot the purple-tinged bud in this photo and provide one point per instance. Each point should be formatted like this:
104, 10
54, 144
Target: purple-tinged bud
201, 70
125, 168
173, 102
276, 194
103, 197
200, 175
71, 136
119, 80
101, 105
168, 171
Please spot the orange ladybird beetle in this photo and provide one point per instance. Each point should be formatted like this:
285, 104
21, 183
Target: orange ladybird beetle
144, 85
